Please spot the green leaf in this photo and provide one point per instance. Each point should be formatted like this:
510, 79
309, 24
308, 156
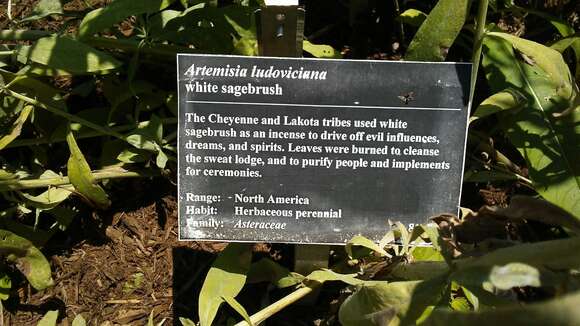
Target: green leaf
67, 55
48, 199
186, 322
81, 177
43, 9
553, 254
438, 32
27, 258
363, 242
5, 286
545, 136
508, 99
412, 17
102, 18
49, 319
239, 309
560, 311
16, 128
246, 43
79, 321
321, 50
398, 303
326, 275
426, 254
225, 278
514, 275
530, 208
563, 44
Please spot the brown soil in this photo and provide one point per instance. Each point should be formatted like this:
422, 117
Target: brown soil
121, 273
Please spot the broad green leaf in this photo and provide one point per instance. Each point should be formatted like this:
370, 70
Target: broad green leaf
102, 18
49, 319
564, 29
81, 177
488, 176
363, 242
66, 54
553, 254
238, 308
426, 254
326, 275
16, 128
412, 17
508, 99
43, 9
27, 258
320, 50
420, 270
186, 322
5, 286
438, 32
225, 278
560, 311
398, 303
514, 275
246, 43
133, 155
48, 199
546, 138
565, 43
530, 208
79, 321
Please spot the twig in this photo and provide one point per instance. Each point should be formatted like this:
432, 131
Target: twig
66, 115
9, 10
277, 306
478, 44
17, 184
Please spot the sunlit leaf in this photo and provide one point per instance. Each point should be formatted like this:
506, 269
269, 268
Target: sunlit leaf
102, 18
79, 321
16, 128
398, 303
363, 242
326, 275
27, 258
545, 139
508, 99
81, 177
412, 17
514, 275
43, 9
266, 270
49, 319
5, 286
321, 50
66, 54
225, 278
238, 308
560, 311
438, 32
48, 199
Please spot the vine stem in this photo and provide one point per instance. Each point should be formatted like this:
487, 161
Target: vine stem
16, 184
478, 44
156, 49
277, 306
66, 115
84, 135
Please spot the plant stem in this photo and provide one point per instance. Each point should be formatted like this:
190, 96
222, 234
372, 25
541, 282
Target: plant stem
478, 44
6, 53
84, 135
66, 115
277, 306
11, 185
22, 35
127, 45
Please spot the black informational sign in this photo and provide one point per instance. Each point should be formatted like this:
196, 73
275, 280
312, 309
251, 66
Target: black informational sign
316, 151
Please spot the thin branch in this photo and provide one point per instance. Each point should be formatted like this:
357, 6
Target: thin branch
16, 184
478, 44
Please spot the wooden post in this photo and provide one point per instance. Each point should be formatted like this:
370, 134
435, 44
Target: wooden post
280, 27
